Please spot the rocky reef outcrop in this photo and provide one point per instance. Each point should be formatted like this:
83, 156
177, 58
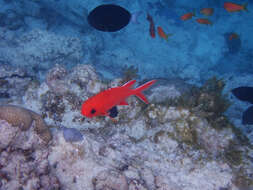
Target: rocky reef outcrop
24, 139
183, 142
37, 51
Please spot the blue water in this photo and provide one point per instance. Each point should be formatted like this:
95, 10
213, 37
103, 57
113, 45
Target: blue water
194, 53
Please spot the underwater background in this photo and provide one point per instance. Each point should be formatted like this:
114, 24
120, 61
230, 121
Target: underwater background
196, 133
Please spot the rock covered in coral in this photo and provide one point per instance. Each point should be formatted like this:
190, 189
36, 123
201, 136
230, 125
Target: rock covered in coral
163, 93
63, 94
13, 81
135, 184
53, 106
86, 79
39, 50
164, 184
7, 71
23, 157
179, 142
74, 163
55, 79
7, 134
25, 119
110, 180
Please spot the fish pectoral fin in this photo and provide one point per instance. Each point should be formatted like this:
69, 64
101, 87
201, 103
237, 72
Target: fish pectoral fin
114, 120
123, 103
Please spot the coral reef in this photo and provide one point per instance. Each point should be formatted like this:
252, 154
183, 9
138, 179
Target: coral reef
23, 155
55, 102
71, 134
24, 118
37, 51
54, 79
12, 20
180, 142
110, 180
13, 82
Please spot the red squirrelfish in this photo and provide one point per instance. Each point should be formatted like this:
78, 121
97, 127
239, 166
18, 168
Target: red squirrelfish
151, 26
233, 7
187, 16
204, 21
101, 103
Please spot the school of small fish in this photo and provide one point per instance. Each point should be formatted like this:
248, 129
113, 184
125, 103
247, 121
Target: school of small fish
228, 6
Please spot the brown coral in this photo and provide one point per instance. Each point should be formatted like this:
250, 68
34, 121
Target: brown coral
23, 118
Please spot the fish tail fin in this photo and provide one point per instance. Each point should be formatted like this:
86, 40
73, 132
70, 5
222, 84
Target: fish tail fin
129, 84
245, 7
138, 91
167, 36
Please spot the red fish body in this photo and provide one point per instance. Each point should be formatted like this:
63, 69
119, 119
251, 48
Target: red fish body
207, 11
204, 21
233, 36
162, 34
187, 16
101, 103
233, 7
151, 26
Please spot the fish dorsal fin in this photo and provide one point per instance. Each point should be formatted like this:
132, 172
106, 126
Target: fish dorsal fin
129, 84
123, 103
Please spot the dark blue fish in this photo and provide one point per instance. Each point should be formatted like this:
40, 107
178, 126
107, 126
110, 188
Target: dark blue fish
244, 93
247, 117
109, 18
71, 134
113, 112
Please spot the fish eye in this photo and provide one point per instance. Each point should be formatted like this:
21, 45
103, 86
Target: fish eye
93, 111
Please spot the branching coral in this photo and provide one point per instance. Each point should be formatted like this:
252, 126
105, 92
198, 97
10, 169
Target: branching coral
23, 118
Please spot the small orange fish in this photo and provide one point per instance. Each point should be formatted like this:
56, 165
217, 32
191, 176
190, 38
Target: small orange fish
233, 36
187, 16
204, 21
101, 103
233, 7
207, 11
162, 34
